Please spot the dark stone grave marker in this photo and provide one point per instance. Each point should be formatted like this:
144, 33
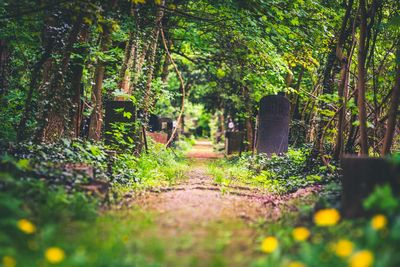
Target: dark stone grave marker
160, 130
360, 177
154, 123
166, 124
119, 112
234, 142
273, 130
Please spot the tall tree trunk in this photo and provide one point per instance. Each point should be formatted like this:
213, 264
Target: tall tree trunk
96, 118
38, 77
249, 124
362, 53
124, 75
153, 49
294, 105
4, 58
343, 83
394, 106
33, 85
53, 119
77, 87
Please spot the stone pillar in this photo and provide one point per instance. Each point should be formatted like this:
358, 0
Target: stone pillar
273, 130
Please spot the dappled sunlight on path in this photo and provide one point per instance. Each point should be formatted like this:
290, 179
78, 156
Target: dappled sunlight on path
203, 149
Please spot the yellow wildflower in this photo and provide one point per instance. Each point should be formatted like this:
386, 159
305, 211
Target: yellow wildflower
363, 258
296, 264
26, 226
326, 217
343, 248
378, 222
139, 1
54, 255
9, 261
301, 233
269, 244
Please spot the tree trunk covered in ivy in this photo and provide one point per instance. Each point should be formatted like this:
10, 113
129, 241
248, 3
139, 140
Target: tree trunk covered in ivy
96, 118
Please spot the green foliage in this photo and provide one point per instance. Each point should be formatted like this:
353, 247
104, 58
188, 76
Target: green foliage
159, 166
382, 200
65, 215
277, 174
378, 236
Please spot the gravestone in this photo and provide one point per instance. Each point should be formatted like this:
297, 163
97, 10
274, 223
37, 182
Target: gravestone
361, 175
119, 112
234, 142
166, 124
160, 130
154, 123
273, 130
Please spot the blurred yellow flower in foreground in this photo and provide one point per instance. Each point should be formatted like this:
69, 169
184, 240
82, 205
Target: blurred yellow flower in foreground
9, 261
26, 226
269, 244
343, 248
363, 258
54, 255
326, 217
379, 222
296, 264
301, 233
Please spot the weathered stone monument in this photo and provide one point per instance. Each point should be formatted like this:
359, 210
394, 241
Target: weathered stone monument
160, 129
154, 123
117, 112
361, 175
273, 129
234, 142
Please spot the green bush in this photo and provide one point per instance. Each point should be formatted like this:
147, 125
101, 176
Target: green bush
278, 174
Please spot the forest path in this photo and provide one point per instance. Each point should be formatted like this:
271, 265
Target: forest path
205, 224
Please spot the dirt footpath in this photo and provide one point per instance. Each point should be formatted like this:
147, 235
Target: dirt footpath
204, 224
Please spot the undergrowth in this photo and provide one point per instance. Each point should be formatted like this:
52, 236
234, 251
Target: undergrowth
44, 203
278, 174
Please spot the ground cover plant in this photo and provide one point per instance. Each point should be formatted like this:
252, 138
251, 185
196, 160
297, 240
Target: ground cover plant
277, 174
42, 204
324, 238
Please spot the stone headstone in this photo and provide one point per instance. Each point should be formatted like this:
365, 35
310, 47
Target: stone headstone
119, 112
166, 124
234, 142
360, 177
273, 130
154, 123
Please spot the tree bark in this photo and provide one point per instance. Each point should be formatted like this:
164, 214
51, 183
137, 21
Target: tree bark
294, 106
76, 86
153, 49
53, 119
124, 75
394, 106
4, 58
96, 118
343, 83
248, 121
361, 88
